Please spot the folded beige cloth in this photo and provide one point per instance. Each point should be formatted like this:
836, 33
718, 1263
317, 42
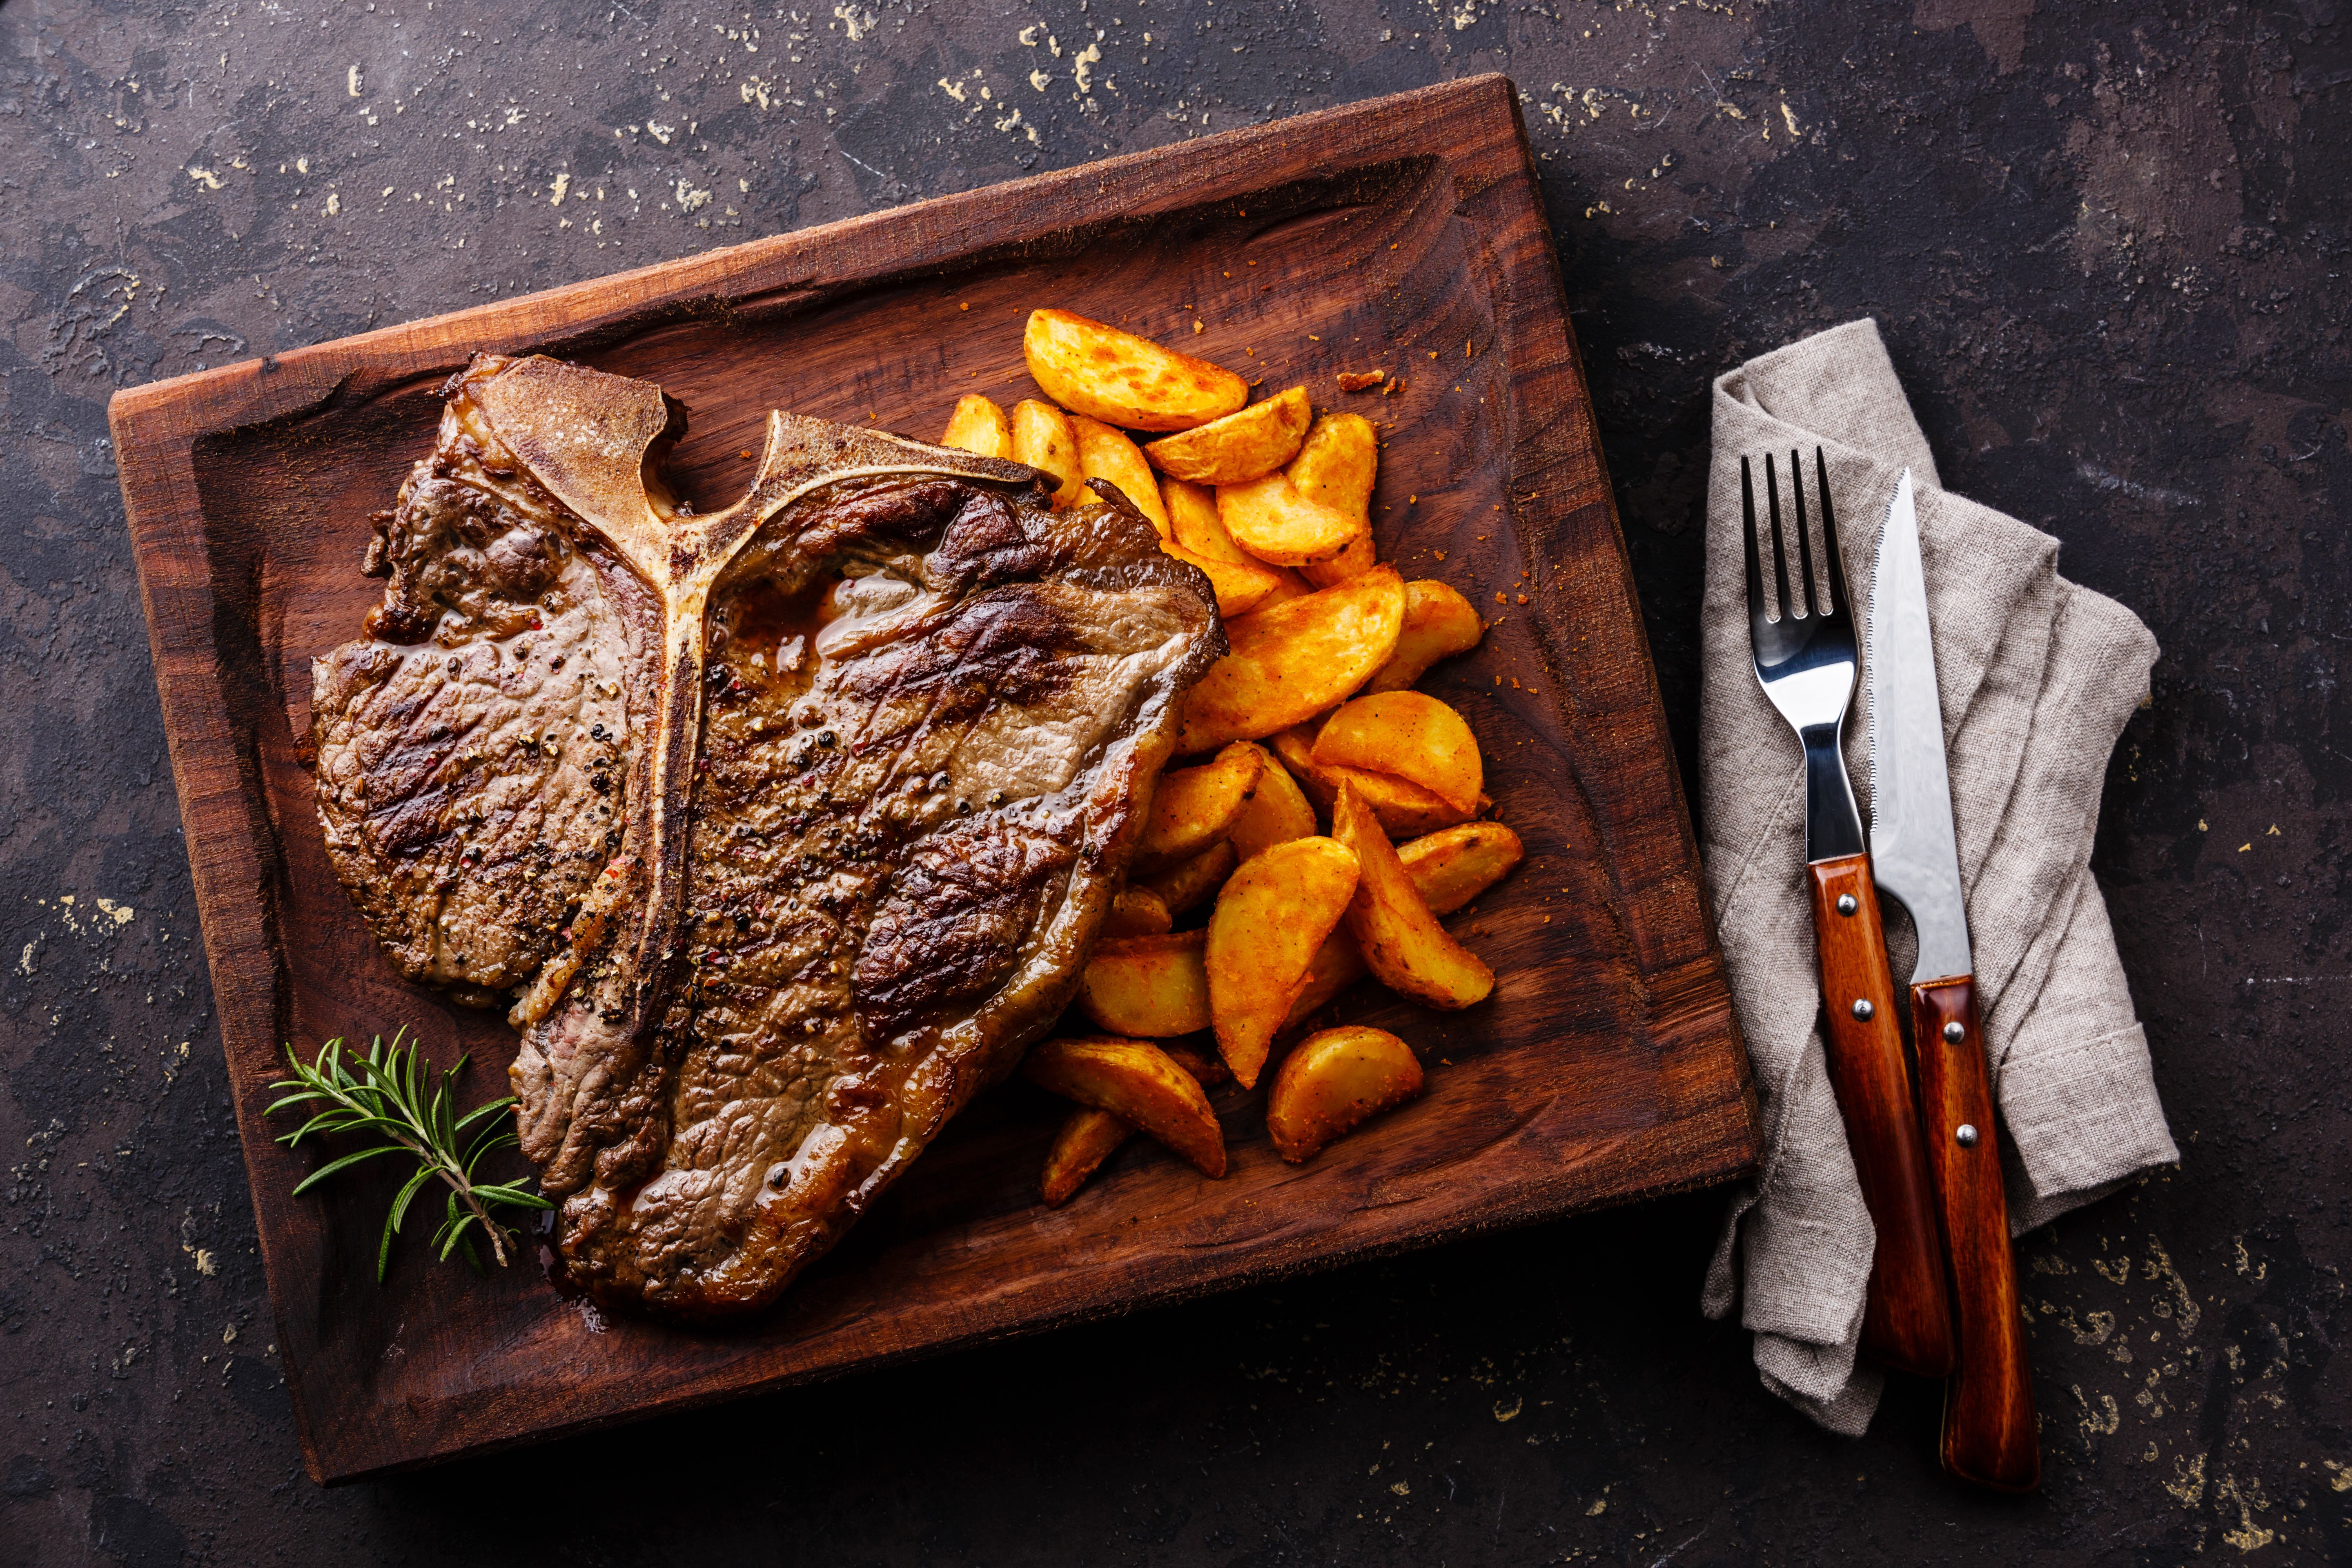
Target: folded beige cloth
2038, 676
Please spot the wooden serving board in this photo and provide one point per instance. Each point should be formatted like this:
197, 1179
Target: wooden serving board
1405, 233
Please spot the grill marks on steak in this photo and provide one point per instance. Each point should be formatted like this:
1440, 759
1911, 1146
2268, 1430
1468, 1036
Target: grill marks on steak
922, 773
895, 724
472, 773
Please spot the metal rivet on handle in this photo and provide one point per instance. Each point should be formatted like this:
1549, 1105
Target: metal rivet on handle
1965, 1135
1846, 904
1862, 1007
1956, 1031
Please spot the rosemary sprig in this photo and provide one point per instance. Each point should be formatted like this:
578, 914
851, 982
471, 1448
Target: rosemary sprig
383, 1094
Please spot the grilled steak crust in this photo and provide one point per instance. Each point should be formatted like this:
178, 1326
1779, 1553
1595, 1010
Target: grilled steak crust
873, 763
472, 747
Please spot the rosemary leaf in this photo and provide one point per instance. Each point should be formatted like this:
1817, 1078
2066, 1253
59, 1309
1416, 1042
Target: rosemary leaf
393, 1096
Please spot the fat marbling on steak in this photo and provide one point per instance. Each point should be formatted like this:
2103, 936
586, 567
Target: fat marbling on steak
788, 827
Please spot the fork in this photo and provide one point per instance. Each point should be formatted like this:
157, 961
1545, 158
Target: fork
1803, 639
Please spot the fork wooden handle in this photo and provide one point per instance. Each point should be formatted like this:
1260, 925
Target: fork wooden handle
1907, 1321
1989, 1435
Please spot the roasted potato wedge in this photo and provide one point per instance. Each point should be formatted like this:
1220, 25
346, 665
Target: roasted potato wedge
1404, 808
1207, 1071
1289, 663
1292, 585
1097, 370
1239, 589
1196, 879
1337, 966
1337, 462
1336, 465
1448, 868
979, 425
1042, 438
1272, 916
1411, 736
1454, 865
1335, 1080
1136, 912
1268, 518
1194, 807
1400, 940
1438, 624
1353, 562
1278, 812
1148, 987
1243, 582
1136, 1082
1106, 454
1088, 1138
1242, 446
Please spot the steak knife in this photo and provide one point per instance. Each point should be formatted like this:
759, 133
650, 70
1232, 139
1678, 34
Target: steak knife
1988, 1427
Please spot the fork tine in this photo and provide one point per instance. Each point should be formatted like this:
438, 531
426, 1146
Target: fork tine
1804, 536
1756, 605
1790, 609
1829, 530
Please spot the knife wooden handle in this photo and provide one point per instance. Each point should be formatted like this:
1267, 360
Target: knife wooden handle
1990, 1434
1906, 1321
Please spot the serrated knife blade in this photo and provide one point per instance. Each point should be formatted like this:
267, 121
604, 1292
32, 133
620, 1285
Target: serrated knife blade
1913, 848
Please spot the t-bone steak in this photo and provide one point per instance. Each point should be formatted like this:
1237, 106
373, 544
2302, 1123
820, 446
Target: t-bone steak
785, 827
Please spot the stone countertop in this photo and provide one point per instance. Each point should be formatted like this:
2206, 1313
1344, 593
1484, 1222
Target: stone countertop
2106, 246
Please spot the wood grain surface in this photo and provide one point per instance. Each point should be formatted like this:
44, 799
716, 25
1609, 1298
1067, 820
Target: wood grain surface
1991, 1435
1403, 232
1907, 1320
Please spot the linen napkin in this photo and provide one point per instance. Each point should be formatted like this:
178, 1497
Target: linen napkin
2038, 676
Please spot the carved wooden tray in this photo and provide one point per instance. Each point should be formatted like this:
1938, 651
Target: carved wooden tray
1406, 232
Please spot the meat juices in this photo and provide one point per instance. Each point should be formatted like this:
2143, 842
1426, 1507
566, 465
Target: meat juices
789, 825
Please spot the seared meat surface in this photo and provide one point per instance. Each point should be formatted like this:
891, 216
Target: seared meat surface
798, 819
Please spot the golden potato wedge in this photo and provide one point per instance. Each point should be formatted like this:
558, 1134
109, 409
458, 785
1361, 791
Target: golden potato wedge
979, 425
1150, 987
1268, 518
1278, 812
1042, 438
1136, 912
1194, 807
1404, 808
1336, 1081
1337, 462
1088, 1138
1136, 1082
1292, 585
1401, 941
1287, 664
1438, 624
1411, 736
1336, 465
1196, 879
1239, 589
1337, 966
1207, 1071
1097, 370
1106, 454
1454, 865
1272, 916
1448, 868
1353, 562
1240, 447
1243, 582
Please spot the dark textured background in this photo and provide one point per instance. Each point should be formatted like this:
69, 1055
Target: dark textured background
2106, 243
